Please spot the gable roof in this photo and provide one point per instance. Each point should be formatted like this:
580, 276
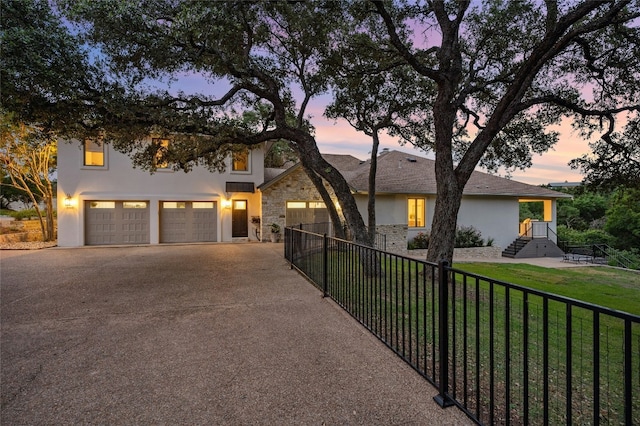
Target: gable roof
401, 173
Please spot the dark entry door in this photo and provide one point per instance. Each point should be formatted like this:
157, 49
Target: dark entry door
239, 219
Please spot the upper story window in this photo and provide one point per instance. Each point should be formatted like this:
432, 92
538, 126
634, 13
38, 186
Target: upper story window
240, 161
163, 147
416, 212
94, 153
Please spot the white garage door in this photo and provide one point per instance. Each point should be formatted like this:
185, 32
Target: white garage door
188, 221
116, 222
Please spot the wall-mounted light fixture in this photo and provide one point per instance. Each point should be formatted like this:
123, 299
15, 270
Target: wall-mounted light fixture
68, 201
226, 204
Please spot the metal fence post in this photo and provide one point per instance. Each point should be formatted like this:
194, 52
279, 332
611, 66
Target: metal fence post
442, 398
325, 262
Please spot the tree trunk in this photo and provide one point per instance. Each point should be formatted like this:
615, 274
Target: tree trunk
443, 228
338, 229
312, 159
50, 220
371, 204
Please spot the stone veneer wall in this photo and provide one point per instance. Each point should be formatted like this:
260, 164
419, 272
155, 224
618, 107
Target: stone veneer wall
294, 187
464, 253
396, 237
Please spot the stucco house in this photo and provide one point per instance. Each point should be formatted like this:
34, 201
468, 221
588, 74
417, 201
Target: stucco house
405, 199
102, 199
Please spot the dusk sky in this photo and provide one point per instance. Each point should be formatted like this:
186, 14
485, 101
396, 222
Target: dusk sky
338, 137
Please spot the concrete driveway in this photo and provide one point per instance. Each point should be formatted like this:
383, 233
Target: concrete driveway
191, 334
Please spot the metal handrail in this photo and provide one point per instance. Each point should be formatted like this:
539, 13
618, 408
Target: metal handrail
610, 253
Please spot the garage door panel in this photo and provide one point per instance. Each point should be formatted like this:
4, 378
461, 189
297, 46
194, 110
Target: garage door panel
188, 224
110, 222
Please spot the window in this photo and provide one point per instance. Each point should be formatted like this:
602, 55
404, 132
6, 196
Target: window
102, 205
296, 204
94, 153
240, 161
202, 205
174, 205
416, 212
163, 148
134, 205
239, 205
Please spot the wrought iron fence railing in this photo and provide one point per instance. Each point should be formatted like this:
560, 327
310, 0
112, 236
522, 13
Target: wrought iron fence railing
380, 241
503, 353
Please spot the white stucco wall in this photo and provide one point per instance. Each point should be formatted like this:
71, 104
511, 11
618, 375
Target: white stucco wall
120, 181
494, 217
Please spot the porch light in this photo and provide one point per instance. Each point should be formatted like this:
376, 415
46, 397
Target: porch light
68, 201
226, 204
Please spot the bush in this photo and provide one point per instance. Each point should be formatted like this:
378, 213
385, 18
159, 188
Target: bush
468, 236
420, 241
578, 238
24, 214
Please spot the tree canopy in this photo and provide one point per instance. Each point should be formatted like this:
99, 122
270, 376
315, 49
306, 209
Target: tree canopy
493, 76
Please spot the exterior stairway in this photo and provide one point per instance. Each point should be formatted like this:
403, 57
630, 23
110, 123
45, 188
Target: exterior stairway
516, 246
527, 247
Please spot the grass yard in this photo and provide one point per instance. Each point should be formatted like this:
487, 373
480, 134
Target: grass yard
509, 351
612, 288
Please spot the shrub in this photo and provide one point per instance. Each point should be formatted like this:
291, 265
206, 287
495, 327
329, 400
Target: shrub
420, 241
468, 236
590, 236
24, 214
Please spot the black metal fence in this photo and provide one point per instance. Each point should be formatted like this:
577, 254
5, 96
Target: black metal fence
327, 228
502, 353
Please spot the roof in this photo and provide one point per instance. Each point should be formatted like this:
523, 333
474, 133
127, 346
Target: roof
401, 173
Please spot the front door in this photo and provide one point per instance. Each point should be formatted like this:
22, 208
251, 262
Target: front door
239, 219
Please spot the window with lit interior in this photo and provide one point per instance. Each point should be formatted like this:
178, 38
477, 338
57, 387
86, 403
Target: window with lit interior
94, 155
240, 161
163, 147
416, 212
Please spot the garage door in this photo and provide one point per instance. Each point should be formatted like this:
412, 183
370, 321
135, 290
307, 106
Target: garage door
188, 221
116, 222
306, 212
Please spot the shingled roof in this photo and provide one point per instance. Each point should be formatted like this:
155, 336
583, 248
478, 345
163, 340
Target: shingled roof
402, 173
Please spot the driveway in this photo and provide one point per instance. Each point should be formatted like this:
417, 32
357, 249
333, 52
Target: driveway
191, 334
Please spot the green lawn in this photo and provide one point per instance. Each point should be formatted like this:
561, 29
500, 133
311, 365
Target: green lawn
491, 336
613, 288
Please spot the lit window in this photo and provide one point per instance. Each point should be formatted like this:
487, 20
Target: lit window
202, 205
316, 205
94, 152
174, 205
296, 205
415, 212
102, 205
239, 205
240, 161
134, 205
163, 148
